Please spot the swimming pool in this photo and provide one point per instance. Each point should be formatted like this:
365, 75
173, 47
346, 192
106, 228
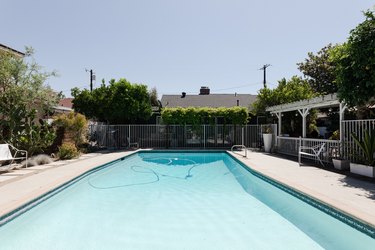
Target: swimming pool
177, 200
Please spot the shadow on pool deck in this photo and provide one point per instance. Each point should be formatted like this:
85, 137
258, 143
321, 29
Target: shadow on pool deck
359, 184
328, 167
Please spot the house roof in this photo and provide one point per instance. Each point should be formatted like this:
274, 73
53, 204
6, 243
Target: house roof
210, 100
16, 52
66, 102
61, 109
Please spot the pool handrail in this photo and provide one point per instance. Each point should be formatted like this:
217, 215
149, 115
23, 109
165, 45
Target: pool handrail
239, 146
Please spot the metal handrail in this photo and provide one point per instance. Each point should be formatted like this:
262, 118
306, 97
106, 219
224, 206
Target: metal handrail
239, 146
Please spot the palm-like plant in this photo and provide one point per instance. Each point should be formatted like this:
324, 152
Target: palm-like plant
367, 145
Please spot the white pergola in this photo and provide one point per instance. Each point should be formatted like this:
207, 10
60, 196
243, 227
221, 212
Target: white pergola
304, 106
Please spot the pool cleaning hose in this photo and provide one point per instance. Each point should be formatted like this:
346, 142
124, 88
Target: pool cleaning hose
148, 170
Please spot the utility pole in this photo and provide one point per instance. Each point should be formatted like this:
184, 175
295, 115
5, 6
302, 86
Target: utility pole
264, 74
92, 77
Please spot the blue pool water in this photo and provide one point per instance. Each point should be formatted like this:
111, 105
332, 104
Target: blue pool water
177, 201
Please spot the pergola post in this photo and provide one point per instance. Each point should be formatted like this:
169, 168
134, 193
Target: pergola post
303, 112
278, 115
341, 113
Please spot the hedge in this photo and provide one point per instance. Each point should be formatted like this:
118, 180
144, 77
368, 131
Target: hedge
197, 116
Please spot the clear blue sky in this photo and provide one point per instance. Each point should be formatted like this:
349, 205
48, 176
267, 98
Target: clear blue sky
176, 45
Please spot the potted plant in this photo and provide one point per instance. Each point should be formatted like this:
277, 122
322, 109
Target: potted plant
267, 138
336, 154
367, 146
338, 161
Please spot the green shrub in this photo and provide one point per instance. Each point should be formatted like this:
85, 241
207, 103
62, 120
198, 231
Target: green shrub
68, 151
335, 135
75, 124
198, 116
367, 146
35, 138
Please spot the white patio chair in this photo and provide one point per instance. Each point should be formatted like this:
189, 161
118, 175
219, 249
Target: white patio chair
314, 151
6, 154
132, 144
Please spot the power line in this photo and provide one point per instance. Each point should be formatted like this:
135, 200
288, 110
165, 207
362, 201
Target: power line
236, 87
66, 90
273, 84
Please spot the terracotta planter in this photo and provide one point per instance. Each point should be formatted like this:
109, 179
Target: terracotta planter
341, 164
267, 141
361, 169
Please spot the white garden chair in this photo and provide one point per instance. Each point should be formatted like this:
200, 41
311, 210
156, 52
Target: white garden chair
314, 151
132, 144
6, 154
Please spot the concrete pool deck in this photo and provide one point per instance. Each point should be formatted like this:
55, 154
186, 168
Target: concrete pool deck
350, 195
23, 185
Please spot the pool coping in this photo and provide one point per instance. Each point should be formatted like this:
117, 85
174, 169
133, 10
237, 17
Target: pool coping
326, 207
347, 218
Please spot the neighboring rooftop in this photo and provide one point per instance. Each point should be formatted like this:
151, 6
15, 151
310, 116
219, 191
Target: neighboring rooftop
205, 99
65, 106
9, 49
66, 102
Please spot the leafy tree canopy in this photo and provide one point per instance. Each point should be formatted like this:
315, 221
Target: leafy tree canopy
24, 96
320, 71
355, 60
287, 91
154, 97
118, 103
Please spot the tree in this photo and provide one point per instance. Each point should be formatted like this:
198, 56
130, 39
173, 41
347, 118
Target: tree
355, 62
24, 97
154, 97
119, 102
320, 71
287, 91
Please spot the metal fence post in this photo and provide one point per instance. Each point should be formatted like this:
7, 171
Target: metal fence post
242, 137
204, 136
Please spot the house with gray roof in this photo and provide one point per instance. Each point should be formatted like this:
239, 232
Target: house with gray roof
206, 99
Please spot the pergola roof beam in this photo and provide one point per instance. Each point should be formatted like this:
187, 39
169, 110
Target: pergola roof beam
317, 102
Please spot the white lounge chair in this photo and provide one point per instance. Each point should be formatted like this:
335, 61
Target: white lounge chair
6, 154
314, 151
132, 144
